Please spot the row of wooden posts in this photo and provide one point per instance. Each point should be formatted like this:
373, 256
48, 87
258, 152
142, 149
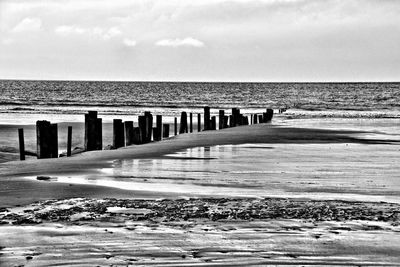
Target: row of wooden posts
125, 134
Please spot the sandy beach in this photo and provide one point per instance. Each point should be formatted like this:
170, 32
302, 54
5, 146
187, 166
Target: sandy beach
204, 199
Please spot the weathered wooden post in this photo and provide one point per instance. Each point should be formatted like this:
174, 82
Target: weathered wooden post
149, 126
157, 136
235, 117
21, 144
251, 119
175, 126
128, 133
191, 122
118, 134
93, 132
207, 121
43, 139
165, 130
183, 126
199, 122
213, 123
221, 119
142, 130
53, 140
260, 118
269, 115
69, 141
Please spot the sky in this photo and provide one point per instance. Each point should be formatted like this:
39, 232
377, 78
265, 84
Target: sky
201, 40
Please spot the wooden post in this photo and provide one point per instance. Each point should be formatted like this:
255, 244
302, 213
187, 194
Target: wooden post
165, 130
142, 130
159, 128
199, 122
69, 141
149, 126
118, 134
213, 123
155, 134
221, 119
235, 118
231, 122
43, 139
137, 138
269, 115
21, 144
226, 122
260, 118
206, 118
251, 119
128, 133
191, 122
53, 140
92, 135
246, 120
175, 126
183, 126
98, 132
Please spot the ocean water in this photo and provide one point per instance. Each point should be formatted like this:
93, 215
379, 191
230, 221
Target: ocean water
169, 98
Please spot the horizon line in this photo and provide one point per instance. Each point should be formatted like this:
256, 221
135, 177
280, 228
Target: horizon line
190, 81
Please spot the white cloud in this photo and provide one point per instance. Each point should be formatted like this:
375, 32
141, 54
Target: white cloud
129, 42
189, 41
99, 32
28, 24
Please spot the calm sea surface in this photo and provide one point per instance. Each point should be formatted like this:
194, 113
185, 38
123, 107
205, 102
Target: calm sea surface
76, 97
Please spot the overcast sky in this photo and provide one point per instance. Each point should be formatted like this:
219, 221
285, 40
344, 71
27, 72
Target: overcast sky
201, 40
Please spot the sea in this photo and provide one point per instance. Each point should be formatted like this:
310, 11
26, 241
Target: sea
348, 171
170, 98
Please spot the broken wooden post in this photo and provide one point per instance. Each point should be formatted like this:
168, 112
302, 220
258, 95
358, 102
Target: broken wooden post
175, 126
183, 126
142, 130
199, 122
128, 133
207, 118
221, 119
69, 141
21, 144
213, 125
118, 134
191, 122
165, 130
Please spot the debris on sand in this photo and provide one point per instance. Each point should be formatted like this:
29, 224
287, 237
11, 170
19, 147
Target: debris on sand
212, 209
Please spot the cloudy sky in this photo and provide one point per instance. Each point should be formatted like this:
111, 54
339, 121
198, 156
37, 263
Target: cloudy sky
200, 40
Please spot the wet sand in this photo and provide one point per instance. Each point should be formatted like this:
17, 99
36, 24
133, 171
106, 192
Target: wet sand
121, 239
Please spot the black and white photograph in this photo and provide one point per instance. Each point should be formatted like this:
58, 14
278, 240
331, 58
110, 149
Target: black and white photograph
199, 133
